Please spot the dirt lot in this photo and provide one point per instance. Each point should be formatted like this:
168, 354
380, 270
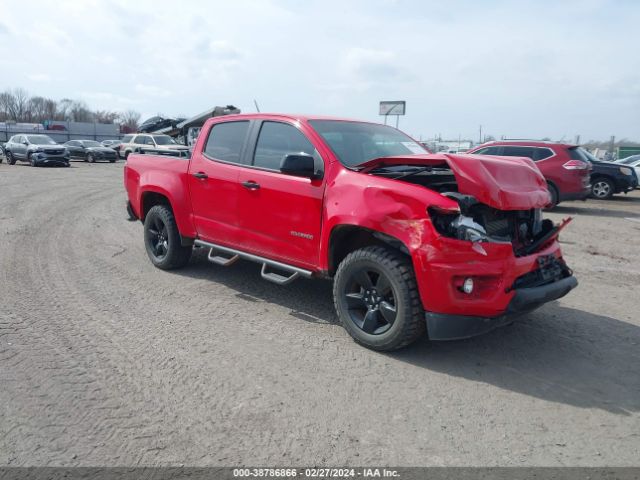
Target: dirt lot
105, 360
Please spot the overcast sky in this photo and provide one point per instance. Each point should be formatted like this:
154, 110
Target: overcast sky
520, 68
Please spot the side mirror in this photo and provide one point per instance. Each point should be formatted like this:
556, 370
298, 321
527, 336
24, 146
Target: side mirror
24, 142
300, 165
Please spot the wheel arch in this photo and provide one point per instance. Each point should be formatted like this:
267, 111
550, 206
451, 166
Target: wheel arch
346, 238
151, 198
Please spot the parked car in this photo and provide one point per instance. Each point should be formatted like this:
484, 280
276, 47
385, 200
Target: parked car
90, 151
145, 142
114, 144
632, 161
609, 178
452, 244
154, 124
38, 150
567, 173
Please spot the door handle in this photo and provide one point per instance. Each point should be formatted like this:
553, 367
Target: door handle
201, 175
251, 185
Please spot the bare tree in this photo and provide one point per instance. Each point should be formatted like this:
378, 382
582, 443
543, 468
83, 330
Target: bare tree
105, 116
130, 119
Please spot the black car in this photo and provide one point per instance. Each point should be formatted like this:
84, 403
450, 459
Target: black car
111, 143
155, 123
38, 150
608, 178
91, 151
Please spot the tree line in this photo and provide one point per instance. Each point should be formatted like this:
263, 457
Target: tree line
18, 106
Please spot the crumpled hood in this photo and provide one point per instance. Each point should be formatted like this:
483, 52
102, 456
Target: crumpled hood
504, 183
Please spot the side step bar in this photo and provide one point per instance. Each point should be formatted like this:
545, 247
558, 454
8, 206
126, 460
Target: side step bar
234, 255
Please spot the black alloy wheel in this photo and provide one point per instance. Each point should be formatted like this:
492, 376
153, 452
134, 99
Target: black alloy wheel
377, 300
370, 300
158, 238
162, 239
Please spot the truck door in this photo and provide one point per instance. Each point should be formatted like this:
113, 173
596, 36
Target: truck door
213, 181
280, 214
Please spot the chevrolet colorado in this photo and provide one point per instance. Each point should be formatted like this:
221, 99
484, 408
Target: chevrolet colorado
452, 244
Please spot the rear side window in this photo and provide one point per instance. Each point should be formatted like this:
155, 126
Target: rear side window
511, 151
226, 140
542, 153
140, 140
277, 140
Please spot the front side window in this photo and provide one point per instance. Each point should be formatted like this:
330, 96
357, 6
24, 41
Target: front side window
127, 138
277, 140
226, 140
355, 143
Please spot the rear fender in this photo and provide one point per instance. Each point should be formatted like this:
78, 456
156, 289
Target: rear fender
170, 186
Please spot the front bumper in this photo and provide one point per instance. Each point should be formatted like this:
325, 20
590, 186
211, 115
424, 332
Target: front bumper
45, 159
454, 327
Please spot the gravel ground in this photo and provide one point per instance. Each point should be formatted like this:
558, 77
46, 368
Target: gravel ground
105, 360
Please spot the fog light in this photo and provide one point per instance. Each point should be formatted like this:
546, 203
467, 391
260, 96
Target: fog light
467, 286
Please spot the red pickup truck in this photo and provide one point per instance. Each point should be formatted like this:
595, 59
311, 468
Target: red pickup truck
451, 244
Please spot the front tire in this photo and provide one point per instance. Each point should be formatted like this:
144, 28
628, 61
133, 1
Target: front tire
32, 162
11, 160
602, 188
90, 158
376, 299
162, 239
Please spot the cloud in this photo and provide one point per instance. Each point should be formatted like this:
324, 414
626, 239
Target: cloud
534, 68
39, 77
152, 90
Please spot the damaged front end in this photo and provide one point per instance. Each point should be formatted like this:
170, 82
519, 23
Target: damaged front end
490, 255
473, 221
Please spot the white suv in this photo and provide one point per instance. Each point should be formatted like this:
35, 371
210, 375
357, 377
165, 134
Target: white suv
143, 142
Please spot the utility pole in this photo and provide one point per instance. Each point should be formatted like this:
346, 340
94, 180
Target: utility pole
612, 144
578, 139
480, 136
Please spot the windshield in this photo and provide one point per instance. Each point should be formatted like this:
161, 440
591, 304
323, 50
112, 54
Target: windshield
579, 153
40, 140
164, 140
355, 143
91, 143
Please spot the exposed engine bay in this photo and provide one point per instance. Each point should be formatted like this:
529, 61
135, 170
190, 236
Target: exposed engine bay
473, 221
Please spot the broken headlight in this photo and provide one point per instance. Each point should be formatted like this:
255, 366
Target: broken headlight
466, 228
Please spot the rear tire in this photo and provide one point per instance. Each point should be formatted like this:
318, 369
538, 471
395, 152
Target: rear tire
602, 188
162, 239
376, 299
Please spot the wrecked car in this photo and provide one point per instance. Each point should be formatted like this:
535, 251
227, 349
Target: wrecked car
454, 245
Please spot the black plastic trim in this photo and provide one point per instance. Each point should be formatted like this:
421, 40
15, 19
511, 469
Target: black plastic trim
441, 326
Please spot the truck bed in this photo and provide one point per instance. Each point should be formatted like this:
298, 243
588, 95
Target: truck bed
165, 175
